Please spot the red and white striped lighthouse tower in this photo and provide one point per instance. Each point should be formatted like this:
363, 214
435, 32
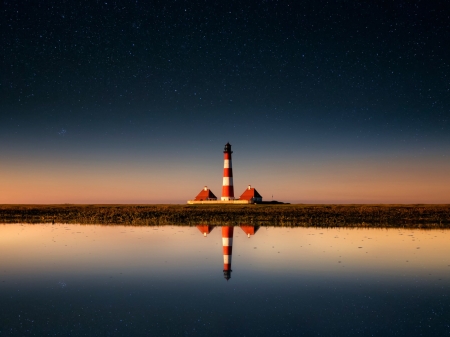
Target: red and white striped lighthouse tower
227, 243
227, 187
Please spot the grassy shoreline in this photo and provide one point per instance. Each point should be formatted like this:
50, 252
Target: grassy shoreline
300, 215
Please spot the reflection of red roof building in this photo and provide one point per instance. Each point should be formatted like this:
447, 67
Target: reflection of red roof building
205, 229
205, 194
251, 194
249, 230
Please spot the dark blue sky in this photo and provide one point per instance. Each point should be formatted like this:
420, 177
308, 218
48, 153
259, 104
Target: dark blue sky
303, 86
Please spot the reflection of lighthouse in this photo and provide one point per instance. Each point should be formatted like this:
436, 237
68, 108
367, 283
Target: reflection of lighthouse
227, 187
227, 243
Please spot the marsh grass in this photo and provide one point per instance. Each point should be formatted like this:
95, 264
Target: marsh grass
389, 216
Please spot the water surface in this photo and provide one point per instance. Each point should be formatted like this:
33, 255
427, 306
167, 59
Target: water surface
86, 280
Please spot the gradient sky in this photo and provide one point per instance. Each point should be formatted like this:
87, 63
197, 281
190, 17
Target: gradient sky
132, 102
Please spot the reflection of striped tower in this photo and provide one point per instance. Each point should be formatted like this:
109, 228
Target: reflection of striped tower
227, 243
227, 188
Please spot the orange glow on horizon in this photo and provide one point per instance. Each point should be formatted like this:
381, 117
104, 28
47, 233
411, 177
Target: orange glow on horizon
326, 181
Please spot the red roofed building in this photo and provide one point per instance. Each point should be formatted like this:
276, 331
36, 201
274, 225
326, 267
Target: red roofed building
205, 194
251, 195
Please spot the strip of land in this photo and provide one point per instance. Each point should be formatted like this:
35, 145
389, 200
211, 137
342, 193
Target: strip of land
394, 216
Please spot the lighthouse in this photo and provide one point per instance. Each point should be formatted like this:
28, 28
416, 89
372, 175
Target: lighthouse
207, 197
227, 187
227, 243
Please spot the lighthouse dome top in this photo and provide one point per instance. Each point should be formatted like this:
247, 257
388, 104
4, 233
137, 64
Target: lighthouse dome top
227, 148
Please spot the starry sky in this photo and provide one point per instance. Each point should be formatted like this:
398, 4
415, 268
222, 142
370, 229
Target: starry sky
133, 101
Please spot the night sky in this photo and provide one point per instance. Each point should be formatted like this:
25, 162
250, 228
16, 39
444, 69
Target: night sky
133, 102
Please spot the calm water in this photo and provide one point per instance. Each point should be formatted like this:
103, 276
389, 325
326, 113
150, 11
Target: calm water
75, 280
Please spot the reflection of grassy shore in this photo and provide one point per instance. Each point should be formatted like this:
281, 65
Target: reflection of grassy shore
417, 216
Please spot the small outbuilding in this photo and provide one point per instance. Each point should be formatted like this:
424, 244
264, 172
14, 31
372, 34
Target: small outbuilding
251, 195
205, 194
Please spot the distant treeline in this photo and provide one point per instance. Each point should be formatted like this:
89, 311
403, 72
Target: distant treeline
412, 216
